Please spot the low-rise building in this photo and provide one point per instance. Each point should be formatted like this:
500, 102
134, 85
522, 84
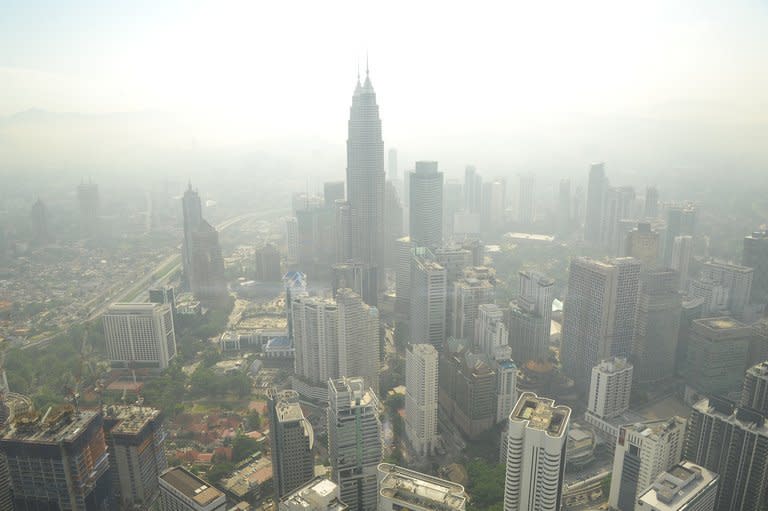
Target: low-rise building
684, 487
402, 488
181, 490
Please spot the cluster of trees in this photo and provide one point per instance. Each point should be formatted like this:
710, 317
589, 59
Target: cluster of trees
486, 485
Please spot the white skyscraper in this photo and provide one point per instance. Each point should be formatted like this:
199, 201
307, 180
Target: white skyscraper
530, 317
643, 451
354, 442
358, 330
428, 298
403, 247
140, 335
536, 441
736, 279
426, 205
315, 334
421, 397
610, 388
682, 255
292, 239
474, 288
491, 332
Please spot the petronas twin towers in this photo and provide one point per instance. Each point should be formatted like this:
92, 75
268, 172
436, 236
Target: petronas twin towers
365, 176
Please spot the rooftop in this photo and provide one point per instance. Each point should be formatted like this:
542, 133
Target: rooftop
419, 490
541, 413
677, 486
132, 418
613, 365
320, 493
58, 424
191, 486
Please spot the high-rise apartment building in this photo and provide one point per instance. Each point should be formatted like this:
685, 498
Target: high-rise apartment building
682, 255
365, 175
610, 388
421, 369
596, 190
755, 255
493, 205
403, 276
618, 217
681, 221
319, 494
140, 335
136, 439
754, 391
181, 490
491, 336
717, 355
473, 190
354, 442
736, 279
291, 442
361, 278
291, 226
684, 487
658, 325
401, 488
599, 313
473, 289
642, 243
358, 338
529, 317
426, 205
643, 451
536, 440
732, 443
428, 297
58, 460
315, 338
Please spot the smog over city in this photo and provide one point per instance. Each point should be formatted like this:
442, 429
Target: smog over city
383, 255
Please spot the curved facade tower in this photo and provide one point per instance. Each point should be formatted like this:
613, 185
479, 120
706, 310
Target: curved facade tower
365, 175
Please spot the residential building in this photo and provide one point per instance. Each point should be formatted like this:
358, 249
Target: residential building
643, 451
140, 335
717, 355
354, 441
291, 442
536, 439
736, 279
421, 370
319, 494
426, 205
404, 247
754, 391
473, 190
181, 490
596, 190
491, 333
732, 443
358, 338
529, 317
291, 226
401, 488
610, 389
428, 298
315, 337
473, 289
361, 278
684, 487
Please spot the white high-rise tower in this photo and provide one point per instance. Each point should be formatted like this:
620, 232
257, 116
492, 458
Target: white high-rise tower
421, 397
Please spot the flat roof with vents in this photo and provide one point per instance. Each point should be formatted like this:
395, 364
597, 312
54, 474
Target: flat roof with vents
191, 486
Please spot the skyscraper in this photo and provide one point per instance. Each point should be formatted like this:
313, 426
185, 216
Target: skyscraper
88, 202
267, 264
393, 224
292, 240
365, 175
315, 338
564, 207
643, 451
736, 279
38, 216
682, 255
140, 335
207, 279
731, 442
717, 355
610, 388
525, 203
354, 442
529, 317
358, 338
58, 461
426, 205
421, 397
755, 255
403, 276
642, 243
193, 216
658, 325
536, 441
428, 292
754, 391
596, 190
361, 278
491, 335
291, 439
332, 191
599, 313
618, 217
473, 190
473, 289
651, 209
681, 221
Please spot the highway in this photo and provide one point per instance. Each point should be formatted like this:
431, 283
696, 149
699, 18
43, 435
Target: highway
170, 264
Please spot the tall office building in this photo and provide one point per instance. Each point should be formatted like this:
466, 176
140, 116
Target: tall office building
643, 451
192, 218
354, 442
596, 190
526, 200
365, 175
651, 209
642, 243
291, 227
536, 440
599, 313
682, 255
681, 221
421, 397
88, 202
181, 490
404, 246
529, 317
319, 494
717, 355
361, 278
736, 279
473, 190
618, 217
428, 296
493, 206
758, 346
401, 488
140, 335
58, 461
358, 338
491, 335
755, 255
136, 439
267, 264
39, 222
731, 442
473, 289
317, 243
754, 390
453, 203
315, 339
658, 325
684, 487
454, 258
207, 279
610, 388
291, 442
332, 192
426, 205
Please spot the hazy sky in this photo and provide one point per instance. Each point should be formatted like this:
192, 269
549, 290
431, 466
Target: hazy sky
281, 69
